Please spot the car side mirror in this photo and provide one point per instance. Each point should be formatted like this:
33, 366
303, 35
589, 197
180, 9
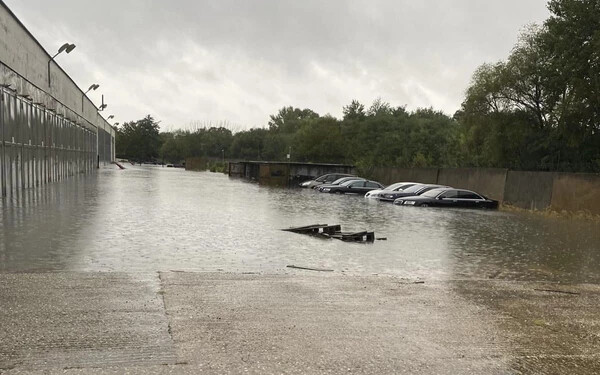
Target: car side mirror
440, 198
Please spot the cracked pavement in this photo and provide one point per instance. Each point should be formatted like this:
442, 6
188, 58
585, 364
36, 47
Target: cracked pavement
298, 323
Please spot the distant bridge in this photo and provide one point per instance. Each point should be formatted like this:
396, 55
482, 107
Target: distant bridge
49, 129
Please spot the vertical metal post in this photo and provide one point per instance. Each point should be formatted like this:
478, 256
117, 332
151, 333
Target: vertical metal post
11, 133
2, 165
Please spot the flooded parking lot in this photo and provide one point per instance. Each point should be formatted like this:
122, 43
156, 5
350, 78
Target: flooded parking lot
160, 219
89, 263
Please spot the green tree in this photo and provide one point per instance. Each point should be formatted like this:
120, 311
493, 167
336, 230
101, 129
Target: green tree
354, 111
289, 119
139, 140
540, 109
250, 144
173, 149
319, 140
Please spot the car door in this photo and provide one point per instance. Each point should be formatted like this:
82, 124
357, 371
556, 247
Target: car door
468, 199
448, 199
357, 187
369, 185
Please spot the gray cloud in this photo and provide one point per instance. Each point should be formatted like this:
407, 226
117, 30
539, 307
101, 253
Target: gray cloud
239, 61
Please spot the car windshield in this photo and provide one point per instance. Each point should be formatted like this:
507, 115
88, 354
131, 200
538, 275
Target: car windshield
345, 179
432, 193
339, 180
395, 186
413, 189
321, 179
346, 183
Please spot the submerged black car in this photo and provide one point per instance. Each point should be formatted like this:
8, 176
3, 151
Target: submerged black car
360, 187
324, 179
398, 186
418, 189
448, 197
338, 182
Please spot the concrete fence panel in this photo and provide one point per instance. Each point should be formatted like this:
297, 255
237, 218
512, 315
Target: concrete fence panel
576, 192
487, 181
388, 176
530, 190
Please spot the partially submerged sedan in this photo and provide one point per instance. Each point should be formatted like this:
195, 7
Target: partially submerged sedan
360, 187
448, 197
417, 189
338, 182
398, 186
324, 179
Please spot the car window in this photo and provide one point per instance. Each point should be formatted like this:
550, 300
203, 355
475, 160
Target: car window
463, 194
425, 189
432, 193
344, 179
372, 184
450, 194
404, 187
357, 184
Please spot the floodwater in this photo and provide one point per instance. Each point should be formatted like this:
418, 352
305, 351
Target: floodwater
160, 219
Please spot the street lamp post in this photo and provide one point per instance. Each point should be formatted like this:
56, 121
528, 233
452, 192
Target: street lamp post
67, 47
92, 87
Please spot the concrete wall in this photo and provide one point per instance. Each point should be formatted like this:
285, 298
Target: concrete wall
315, 170
530, 190
274, 174
284, 173
572, 192
235, 169
487, 181
24, 66
576, 192
388, 176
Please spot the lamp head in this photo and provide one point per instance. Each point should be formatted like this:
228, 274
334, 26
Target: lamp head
64, 47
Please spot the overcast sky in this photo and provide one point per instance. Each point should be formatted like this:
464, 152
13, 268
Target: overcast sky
240, 61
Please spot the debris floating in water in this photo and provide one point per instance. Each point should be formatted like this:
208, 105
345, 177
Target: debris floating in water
557, 291
333, 231
309, 268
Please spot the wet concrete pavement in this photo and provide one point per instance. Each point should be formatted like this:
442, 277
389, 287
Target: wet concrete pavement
301, 322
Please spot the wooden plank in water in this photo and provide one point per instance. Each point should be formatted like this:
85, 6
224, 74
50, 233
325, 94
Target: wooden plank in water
333, 231
358, 236
309, 268
306, 229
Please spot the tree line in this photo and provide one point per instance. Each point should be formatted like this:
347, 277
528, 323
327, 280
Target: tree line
539, 109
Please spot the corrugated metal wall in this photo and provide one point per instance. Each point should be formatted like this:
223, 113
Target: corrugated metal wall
37, 146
